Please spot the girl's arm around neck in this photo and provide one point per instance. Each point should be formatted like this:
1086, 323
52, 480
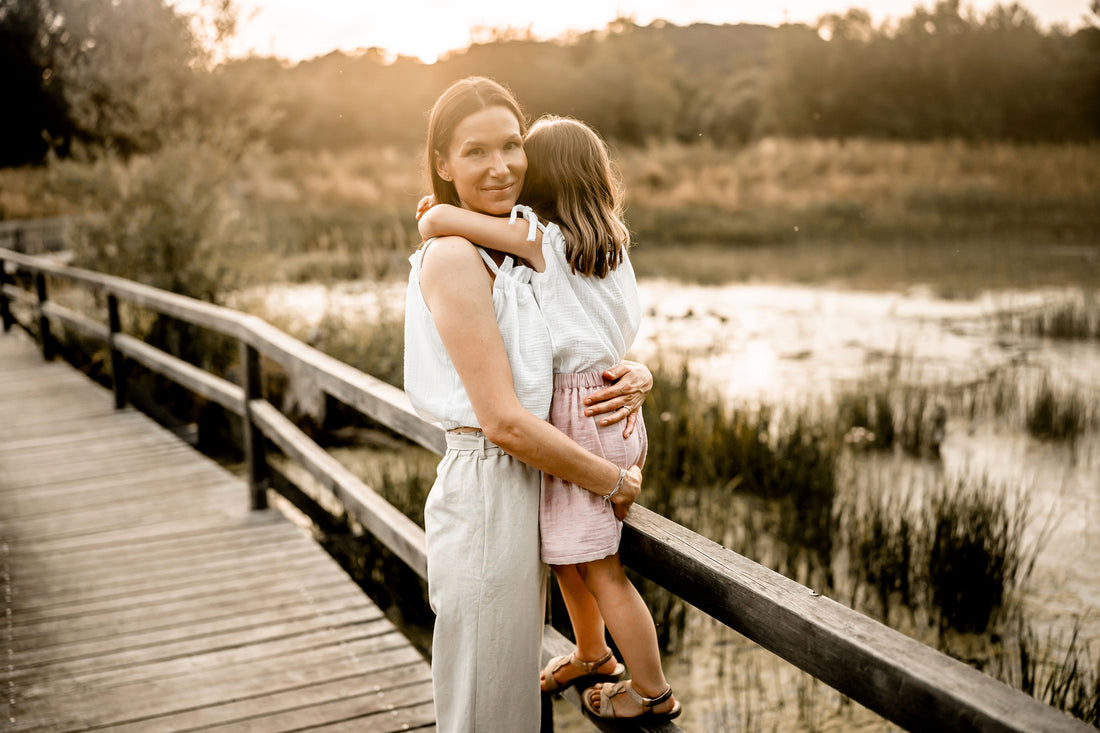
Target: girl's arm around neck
488, 231
457, 291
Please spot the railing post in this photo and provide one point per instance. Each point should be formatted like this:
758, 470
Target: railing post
5, 304
254, 453
118, 361
43, 320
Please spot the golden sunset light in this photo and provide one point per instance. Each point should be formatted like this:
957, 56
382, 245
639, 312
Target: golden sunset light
297, 29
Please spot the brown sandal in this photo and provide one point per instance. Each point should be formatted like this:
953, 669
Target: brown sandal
590, 676
607, 709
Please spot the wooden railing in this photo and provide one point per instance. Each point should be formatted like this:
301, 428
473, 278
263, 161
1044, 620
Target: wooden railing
901, 679
35, 236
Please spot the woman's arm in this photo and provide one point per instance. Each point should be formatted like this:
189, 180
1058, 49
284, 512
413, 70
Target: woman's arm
632, 381
458, 291
493, 232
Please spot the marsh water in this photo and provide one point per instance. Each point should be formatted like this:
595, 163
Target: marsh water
801, 348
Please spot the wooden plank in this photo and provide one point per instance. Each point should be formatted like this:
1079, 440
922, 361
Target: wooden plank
271, 616
83, 556
207, 315
285, 662
49, 528
413, 717
380, 401
76, 321
61, 598
375, 398
104, 541
129, 595
95, 665
135, 581
118, 513
80, 495
399, 533
215, 389
251, 651
169, 613
394, 707
903, 680
204, 699
112, 604
117, 475
42, 471
19, 295
133, 560
86, 435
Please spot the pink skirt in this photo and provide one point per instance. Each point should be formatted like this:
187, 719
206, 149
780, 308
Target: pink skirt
576, 525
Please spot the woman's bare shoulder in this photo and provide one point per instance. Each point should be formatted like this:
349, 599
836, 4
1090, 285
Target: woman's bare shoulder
450, 258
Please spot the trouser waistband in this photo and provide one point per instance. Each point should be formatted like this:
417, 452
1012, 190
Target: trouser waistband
475, 441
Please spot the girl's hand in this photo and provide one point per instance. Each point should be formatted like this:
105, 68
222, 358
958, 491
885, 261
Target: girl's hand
632, 486
623, 399
425, 203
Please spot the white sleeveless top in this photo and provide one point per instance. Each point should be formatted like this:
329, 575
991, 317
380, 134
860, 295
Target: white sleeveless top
433, 385
592, 320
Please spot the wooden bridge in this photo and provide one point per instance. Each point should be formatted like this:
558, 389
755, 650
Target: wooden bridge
146, 588
143, 594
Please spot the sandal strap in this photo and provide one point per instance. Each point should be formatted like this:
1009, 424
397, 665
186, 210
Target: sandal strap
590, 667
607, 692
648, 703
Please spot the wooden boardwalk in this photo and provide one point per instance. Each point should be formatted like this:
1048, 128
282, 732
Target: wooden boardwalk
140, 593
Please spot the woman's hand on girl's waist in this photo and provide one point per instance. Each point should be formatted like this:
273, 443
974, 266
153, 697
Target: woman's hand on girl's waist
621, 400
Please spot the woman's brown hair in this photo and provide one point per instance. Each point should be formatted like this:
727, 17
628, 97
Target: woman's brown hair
462, 99
570, 181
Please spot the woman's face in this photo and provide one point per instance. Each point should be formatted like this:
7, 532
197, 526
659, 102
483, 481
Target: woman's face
485, 161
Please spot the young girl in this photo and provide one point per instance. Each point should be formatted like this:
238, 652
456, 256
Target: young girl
585, 287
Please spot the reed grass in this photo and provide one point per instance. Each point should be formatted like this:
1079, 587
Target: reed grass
1071, 316
975, 557
777, 190
883, 541
1065, 675
882, 417
697, 442
1057, 413
956, 555
1068, 321
963, 216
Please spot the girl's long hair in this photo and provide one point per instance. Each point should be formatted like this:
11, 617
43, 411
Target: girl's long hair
570, 181
459, 101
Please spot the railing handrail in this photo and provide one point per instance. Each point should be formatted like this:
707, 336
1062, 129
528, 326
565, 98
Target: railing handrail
905, 681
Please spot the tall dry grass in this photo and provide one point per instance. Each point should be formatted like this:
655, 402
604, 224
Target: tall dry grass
875, 213
789, 174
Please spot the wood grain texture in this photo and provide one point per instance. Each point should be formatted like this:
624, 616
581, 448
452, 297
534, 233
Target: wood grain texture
140, 593
903, 680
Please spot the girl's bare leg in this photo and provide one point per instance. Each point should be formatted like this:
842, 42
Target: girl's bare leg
588, 626
631, 626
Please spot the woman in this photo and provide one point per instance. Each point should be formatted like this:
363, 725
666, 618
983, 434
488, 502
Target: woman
478, 360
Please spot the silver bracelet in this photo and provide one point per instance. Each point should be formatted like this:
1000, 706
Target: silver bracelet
618, 485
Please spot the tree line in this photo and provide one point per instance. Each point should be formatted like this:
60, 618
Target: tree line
129, 75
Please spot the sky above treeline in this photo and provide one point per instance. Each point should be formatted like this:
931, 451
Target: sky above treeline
301, 29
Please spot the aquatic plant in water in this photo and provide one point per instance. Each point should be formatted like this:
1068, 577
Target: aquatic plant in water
1062, 674
955, 556
1056, 414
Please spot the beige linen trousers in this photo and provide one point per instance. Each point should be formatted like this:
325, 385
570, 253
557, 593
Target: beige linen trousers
487, 585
